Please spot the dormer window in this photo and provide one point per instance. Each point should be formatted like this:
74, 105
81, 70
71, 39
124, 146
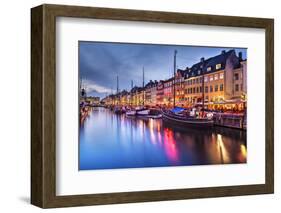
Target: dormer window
218, 66
209, 69
199, 72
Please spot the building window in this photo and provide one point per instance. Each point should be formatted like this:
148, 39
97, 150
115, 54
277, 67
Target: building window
216, 76
197, 89
205, 79
197, 80
236, 87
221, 75
206, 89
200, 79
218, 66
199, 72
193, 90
193, 81
211, 78
209, 69
211, 88
221, 87
216, 88
200, 89
236, 76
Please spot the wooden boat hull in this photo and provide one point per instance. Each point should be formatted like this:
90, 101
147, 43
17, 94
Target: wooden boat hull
195, 122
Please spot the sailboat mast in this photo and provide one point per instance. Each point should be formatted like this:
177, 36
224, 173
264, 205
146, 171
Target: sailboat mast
203, 90
143, 85
131, 95
117, 90
175, 64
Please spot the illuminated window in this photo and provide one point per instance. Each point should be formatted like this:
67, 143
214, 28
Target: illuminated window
218, 66
211, 78
209, 69
216, 77
205, 79
221, 75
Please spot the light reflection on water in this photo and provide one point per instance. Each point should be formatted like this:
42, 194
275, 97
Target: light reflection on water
109, 141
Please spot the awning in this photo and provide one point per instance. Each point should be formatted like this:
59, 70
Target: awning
177, 110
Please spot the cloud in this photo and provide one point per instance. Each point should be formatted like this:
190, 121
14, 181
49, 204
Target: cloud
91, 87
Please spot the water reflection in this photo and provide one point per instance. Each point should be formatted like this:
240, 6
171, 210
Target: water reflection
110, 141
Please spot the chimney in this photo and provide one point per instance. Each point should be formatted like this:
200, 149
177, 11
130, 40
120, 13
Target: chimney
223, 52
240, 56
202, 59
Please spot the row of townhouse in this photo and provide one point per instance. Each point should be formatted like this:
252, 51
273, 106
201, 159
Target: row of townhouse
220, 80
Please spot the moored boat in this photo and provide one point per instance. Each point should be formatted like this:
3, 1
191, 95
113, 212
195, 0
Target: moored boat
182, 119
138, 112
144, 113
119, 110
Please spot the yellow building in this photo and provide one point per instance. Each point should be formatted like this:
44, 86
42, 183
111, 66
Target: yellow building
224, 84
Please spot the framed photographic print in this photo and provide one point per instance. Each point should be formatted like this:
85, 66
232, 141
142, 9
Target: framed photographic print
135, 106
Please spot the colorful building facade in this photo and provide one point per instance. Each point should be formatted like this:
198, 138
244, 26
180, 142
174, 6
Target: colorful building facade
219, 82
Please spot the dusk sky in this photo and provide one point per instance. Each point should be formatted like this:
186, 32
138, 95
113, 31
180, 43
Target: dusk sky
100, 63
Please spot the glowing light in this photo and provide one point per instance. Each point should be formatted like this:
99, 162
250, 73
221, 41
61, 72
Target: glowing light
152, 134
222, 150
170, 145
243, 150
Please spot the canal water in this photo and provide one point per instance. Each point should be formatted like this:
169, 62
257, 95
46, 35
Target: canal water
110, 141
